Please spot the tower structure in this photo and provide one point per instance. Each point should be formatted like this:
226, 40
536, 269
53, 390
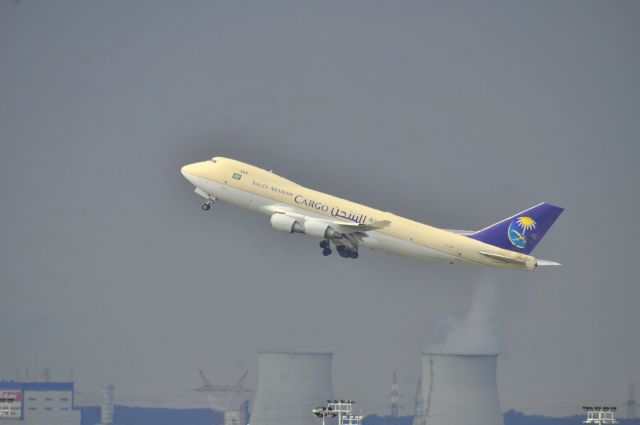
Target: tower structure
394, 404
290, 385
460, 388
106, 408
228, 399
631, 401
418, 415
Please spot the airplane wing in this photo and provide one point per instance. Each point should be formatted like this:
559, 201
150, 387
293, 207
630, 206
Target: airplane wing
358, 227
344, 235
343, 226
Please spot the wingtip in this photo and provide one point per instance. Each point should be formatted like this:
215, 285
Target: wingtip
381, 224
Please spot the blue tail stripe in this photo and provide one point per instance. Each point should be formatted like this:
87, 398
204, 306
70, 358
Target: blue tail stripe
521, 232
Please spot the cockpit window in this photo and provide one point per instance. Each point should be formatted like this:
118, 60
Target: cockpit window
213, 160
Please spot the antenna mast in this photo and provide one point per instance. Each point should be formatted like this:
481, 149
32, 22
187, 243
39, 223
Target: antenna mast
631, 401
395, 396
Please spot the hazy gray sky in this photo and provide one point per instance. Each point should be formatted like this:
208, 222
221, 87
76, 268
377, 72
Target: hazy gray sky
456, 114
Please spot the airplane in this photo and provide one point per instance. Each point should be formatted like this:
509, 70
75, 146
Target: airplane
346, 225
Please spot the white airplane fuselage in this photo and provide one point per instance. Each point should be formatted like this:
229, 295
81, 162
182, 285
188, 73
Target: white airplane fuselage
295, 208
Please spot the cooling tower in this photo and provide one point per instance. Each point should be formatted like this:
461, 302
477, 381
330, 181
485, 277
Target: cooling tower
290, 385
460, 389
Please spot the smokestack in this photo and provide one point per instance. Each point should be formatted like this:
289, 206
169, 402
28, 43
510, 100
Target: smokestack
106, 408
290, 385
460, 388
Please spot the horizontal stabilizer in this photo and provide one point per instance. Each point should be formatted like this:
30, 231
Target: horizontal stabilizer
544, 263
503, 258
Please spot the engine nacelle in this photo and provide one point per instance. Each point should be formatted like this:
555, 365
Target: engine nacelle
286, 224
316, 228
320, 229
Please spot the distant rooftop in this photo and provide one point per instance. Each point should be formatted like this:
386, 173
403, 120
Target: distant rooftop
460, 354
36, 386
321, 353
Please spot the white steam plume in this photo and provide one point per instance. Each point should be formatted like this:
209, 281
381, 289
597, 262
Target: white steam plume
477, 332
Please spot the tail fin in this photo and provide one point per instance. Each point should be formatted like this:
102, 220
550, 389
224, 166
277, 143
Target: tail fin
521, 232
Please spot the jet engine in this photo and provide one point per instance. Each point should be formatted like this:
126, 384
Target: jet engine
320, 229
286, 224
317, 228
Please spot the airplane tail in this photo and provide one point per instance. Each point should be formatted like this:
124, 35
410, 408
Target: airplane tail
521, 232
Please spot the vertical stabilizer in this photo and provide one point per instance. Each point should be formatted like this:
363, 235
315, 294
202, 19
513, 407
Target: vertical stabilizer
521, 232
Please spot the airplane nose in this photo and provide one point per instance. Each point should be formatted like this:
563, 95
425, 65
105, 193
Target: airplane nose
188, 169
193, 172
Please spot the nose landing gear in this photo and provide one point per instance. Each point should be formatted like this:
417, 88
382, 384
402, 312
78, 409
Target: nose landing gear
207, 205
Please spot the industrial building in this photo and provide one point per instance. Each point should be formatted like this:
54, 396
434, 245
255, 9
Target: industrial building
459, 389
37, 403
289, 386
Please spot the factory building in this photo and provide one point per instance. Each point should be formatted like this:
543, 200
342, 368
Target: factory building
290, 385
460, 389
37, 403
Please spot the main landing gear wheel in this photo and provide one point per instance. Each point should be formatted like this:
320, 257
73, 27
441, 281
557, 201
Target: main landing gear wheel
346, 252
343, 251
326, 247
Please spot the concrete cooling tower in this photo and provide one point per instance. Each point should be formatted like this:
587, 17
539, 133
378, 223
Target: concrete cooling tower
290, 385
460, 389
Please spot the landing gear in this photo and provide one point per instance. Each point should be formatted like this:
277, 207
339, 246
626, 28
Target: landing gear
343, 250
347, 252
207, 205
326, 247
